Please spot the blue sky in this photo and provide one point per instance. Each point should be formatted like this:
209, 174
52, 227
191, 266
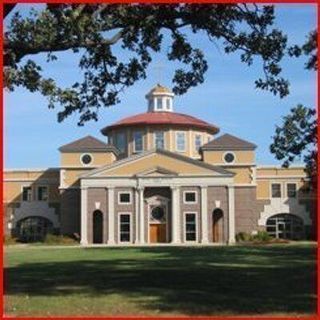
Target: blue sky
227, 99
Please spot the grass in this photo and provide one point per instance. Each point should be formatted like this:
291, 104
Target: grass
273, 279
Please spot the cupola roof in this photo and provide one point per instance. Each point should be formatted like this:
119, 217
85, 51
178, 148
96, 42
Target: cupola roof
162, 118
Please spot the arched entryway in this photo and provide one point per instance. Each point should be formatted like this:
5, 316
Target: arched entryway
217, 225
97, 226
285, 226
33, 228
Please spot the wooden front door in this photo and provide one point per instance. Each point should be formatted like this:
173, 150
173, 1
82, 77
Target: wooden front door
215, 231
217, 225
158, 233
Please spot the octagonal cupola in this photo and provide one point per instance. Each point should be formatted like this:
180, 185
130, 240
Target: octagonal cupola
160, 99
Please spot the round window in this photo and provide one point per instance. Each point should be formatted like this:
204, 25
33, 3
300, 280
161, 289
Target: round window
229, 157
157, 213
86, 159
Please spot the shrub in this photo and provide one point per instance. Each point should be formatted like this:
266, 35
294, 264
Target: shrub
243, 237
262, 236
58, 239
9, 240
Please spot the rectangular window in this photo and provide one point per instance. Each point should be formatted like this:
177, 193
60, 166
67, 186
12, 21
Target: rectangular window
159, 139
168, 104
124, 198
197, 141
124, 225
276, 190
137, 141
291, 190
42, 193
121, 141
159, 104
26, 194
190, 197
180, 141
190, 227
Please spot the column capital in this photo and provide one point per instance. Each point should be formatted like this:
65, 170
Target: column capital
84, 188
174, 187
140, 188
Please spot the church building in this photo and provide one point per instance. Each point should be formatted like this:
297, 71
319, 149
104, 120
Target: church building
159, 177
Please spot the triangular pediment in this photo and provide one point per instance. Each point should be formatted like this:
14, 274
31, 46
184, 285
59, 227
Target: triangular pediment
157, 172
158, 163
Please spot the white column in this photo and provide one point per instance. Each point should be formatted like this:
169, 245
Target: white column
111, 216
141, 214
175, 215
231, 236
204, 215
84, 215
137, 215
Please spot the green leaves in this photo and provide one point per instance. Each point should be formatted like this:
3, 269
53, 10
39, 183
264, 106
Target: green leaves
139, 29
296, 138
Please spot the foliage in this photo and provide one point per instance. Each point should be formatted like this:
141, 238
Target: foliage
261, 236
8, 240
52, 239
296, 138
92, 32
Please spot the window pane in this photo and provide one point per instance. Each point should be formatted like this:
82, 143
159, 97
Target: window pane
197, 142
124, 237
159, 139
168, 103
291, 190
191, 237
159, 103
120, 141
190, 197
276, 190
42, 193
125, 197
190, 227
180, 140
26, 194
125, 218
125, 227
190, 217
138, 141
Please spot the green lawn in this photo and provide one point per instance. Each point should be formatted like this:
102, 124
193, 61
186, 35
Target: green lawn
277, 279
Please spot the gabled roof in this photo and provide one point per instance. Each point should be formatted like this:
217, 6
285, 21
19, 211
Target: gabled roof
88, 144
228, 142
216, 169
161, 118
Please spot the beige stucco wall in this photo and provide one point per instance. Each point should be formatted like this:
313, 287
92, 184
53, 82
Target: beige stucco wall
99, 158
243, 174
169, 138
217, 157
267, 176
71, 176
157, 160
15, 180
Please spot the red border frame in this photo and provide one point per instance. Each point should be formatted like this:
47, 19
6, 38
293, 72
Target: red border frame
317, 204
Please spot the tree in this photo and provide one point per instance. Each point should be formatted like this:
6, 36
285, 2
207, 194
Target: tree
296, 138
93, 31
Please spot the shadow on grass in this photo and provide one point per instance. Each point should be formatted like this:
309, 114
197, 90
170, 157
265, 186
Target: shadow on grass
236, 280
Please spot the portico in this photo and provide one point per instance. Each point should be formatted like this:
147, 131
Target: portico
157, 205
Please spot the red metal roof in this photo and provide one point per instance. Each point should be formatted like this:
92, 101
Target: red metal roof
162, 118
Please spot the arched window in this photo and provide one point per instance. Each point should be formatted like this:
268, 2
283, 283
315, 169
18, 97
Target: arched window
33, 228
285, 226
